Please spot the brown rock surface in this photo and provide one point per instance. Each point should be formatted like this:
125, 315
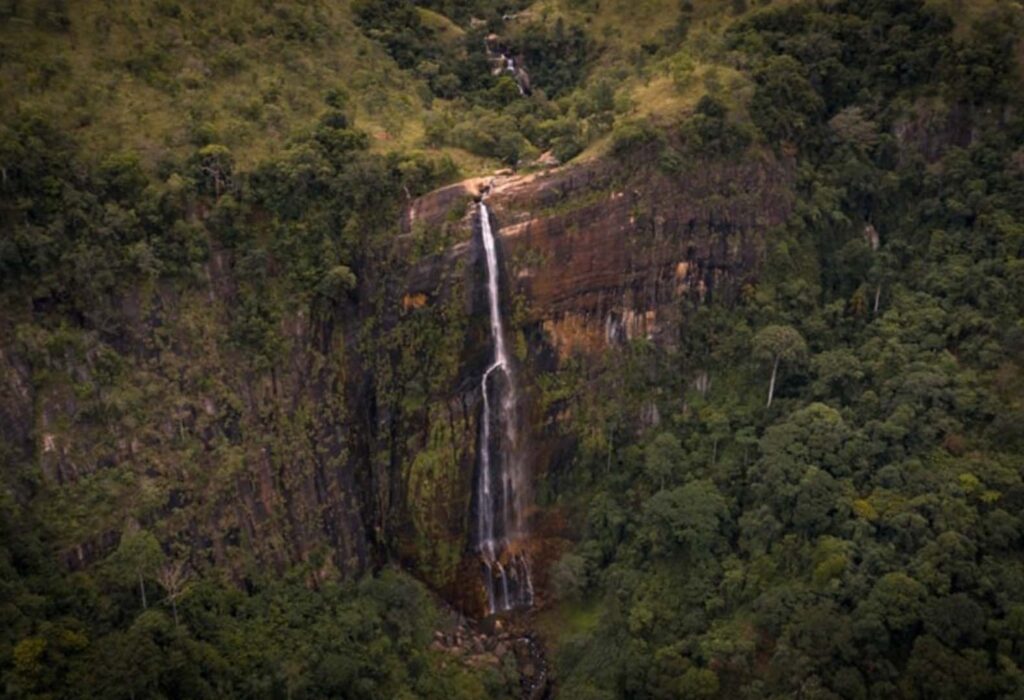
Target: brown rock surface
600, 257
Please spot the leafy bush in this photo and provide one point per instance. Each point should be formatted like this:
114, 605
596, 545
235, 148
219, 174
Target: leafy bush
629, 137
785, 105
711, 133
487, 134
557, 56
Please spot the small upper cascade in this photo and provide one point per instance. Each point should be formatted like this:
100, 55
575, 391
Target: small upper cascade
504, 62
501, 484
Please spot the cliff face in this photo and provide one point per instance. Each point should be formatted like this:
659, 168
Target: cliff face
361, 445
164, 424
591, 257
600, 257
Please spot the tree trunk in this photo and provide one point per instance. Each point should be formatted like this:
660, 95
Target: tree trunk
174, 608
142, 591
771, 385
878, 296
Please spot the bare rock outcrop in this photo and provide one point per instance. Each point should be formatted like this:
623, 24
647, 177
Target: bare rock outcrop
600, 258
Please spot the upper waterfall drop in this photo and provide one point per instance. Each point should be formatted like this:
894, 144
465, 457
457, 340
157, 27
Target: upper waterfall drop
493, 292
501, 485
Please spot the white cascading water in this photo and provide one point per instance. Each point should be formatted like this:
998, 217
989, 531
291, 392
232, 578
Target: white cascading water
510, 67
501, 482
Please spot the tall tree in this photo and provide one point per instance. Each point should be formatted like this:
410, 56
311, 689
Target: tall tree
138, 557
173, 576
775, 344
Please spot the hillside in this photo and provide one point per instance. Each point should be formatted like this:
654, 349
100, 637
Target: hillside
577, 348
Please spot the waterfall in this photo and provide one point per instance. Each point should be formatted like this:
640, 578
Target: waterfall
502, 62
510, 66
501, 485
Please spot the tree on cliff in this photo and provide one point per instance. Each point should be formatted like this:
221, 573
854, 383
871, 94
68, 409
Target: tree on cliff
775, 344
173, 576
663, 457
137, 557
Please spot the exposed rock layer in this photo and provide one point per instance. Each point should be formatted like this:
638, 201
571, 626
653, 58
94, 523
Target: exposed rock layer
601, 258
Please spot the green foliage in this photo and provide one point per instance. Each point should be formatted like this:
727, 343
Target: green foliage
840, 544
338, 281
981, 66
359, 640
198, 314
397, 25
212, 167
785, 106
557, 55
779, 342
487, 134
452, 61
137, 558
686, 521
630, 137
776, 344
663, 459
569, 577
709, 132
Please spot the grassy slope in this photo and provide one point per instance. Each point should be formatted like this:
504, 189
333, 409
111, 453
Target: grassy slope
159, 76
663, 87
145, 76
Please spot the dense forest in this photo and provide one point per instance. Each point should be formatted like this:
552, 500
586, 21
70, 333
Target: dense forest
243, 326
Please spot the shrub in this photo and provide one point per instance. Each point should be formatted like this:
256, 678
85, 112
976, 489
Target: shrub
710, 133
565, 148
632, 136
